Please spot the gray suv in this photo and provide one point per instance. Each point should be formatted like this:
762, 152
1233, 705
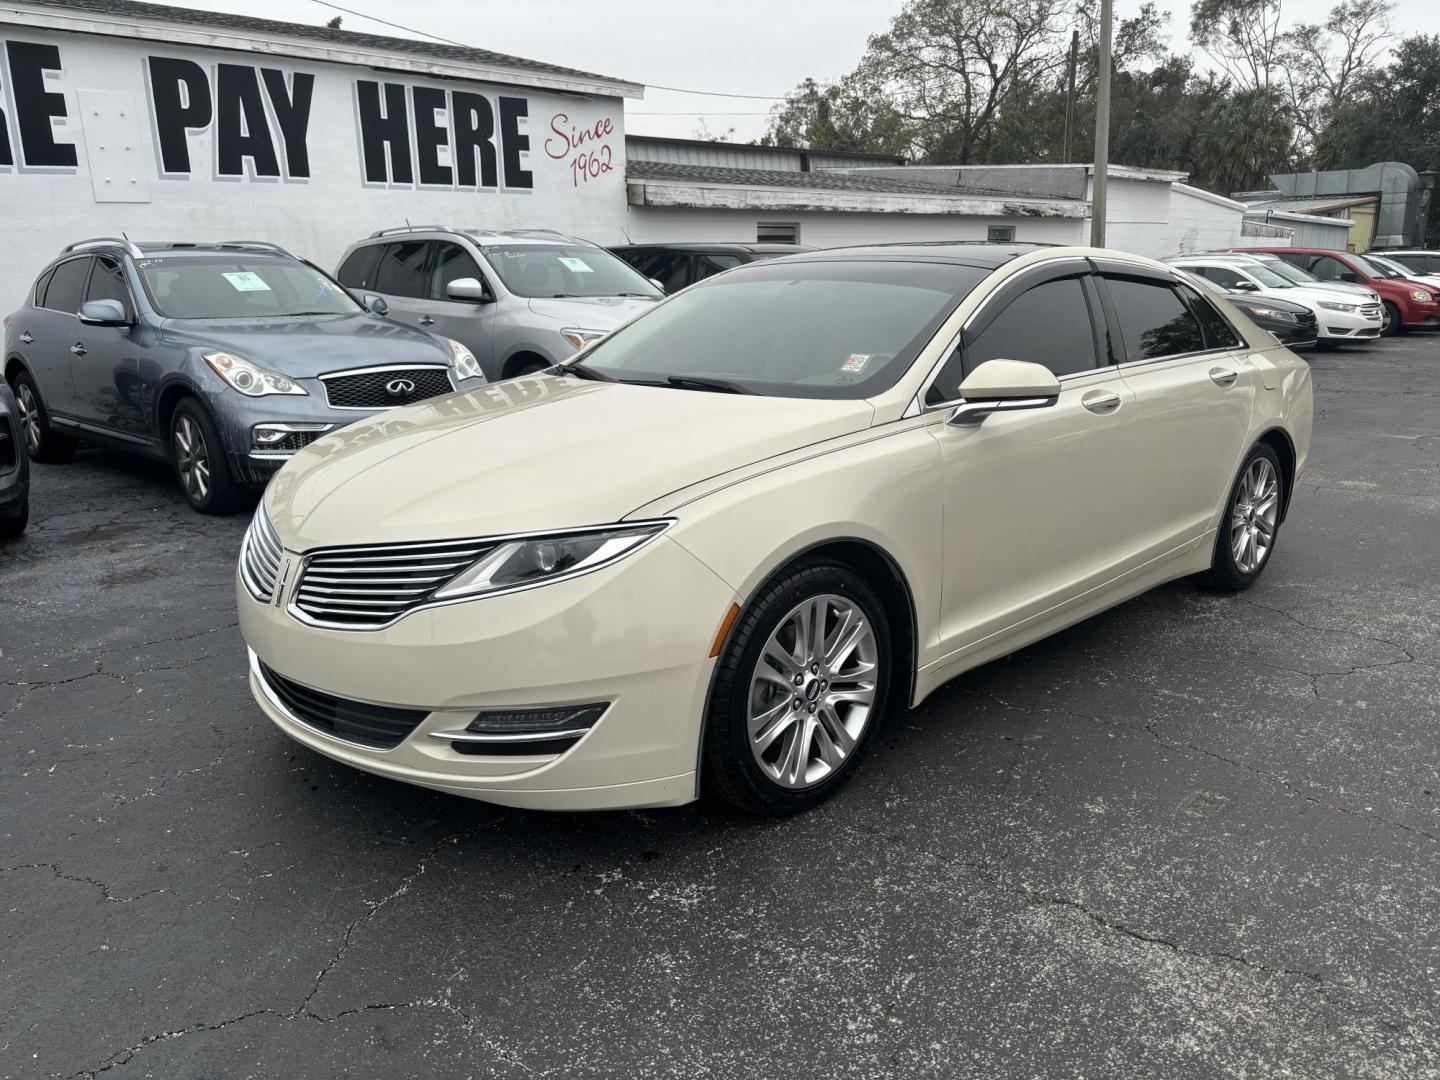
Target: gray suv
520, 300
224, 359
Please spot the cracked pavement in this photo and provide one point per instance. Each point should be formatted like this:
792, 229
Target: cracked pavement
1195, 836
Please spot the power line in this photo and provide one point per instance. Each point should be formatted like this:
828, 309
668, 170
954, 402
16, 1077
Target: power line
462, 45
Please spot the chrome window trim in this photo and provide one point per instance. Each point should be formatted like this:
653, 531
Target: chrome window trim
491, 541
917, 406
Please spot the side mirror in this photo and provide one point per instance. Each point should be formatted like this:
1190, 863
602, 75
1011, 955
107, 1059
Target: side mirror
1005, 386
1244, 286
103, 313
1350, 276
656, 283
377, 304
468, 288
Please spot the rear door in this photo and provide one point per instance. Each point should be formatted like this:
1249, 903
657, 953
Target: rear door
1037, 503
51, 325
1193, 392
106, 369
402, 278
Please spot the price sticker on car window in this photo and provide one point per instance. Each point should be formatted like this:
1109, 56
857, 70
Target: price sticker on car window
855, 363
580, 266
247, 281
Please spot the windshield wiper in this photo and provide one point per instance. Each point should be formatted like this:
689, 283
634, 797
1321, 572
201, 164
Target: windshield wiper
704, 382
580, 371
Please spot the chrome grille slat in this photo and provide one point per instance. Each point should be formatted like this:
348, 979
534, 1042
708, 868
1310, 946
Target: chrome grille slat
367, 587
261, 554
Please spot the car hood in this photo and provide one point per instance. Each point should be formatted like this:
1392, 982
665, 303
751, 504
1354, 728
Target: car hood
1311, 293
532, 454
313, 345
591, 312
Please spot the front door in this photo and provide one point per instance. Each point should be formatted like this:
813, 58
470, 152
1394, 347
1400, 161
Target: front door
1037, 504
470, 322
105, 368
46, 333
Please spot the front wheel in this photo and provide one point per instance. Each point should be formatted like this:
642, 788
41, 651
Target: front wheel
199, 458
799, 689
1392, 324
13, 525
1247, 533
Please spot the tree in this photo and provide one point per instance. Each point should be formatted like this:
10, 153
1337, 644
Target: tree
1242, 137
1243, 37
835, 116
334, 24
1391, 115
1323, 63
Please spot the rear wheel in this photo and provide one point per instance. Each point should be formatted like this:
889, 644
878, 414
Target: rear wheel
1392, 324
42, 442
800, 688
14, 524
1248, 530
200, 464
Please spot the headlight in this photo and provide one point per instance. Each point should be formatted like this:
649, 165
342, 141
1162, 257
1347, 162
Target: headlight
1271, 313
252, 381
525, 562
1420, 296
1334, 306
578, 339
463, 361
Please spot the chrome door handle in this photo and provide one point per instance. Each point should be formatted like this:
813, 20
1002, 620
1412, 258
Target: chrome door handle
1223, 376
426, 320
1102, 401
78, 349
27, 338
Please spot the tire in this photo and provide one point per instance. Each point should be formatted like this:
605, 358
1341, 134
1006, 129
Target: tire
806, 759
200, 463
13, 525
528, 367
42, 442
1234, 569
1393, 325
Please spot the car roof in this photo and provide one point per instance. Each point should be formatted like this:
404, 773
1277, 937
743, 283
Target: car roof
479, 237
986, 254
709, 246
171, 248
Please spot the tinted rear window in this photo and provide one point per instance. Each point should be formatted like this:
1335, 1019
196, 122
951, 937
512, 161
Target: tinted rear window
67, 286
358, 271
402, 269
1153, 319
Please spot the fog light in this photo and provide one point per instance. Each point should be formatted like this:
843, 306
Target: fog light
571, 719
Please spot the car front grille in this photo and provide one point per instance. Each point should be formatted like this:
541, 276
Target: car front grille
380, 727
260, 556
1371, 311
365, 588
385, 388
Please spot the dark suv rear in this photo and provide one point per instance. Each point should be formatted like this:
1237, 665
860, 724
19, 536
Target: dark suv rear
674, 266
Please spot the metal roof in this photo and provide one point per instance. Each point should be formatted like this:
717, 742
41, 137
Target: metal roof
320, 35
809, 181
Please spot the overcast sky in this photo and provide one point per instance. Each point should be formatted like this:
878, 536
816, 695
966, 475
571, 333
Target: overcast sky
736, 46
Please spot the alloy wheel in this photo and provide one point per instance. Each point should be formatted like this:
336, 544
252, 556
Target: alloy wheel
813, 691
1254, 515
192, 459
29, 417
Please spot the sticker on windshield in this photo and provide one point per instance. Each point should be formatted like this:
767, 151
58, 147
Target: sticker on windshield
580, 266
247, 281
855, 362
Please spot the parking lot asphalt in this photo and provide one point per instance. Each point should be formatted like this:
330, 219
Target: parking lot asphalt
1196, 836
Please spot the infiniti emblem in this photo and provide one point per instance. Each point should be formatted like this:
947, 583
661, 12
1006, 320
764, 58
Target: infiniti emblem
399, 387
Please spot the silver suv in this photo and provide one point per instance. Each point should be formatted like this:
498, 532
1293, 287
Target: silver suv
520, 300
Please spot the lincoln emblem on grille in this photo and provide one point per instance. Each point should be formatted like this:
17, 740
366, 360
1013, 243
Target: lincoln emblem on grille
399, 387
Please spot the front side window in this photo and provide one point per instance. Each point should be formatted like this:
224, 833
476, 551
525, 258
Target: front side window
1328, 268
563, 270
452, 263
108, 283
402, 269
1048, 325
1223, 276
843, 329
710, 265
240, 287
67, 286
1154, 321
672, 271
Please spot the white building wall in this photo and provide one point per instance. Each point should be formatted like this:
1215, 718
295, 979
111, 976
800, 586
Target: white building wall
1137, 217
119, 184
1201, 223
818, 229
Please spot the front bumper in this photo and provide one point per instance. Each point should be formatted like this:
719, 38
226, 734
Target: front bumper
254, 464
1348, 326
636, 634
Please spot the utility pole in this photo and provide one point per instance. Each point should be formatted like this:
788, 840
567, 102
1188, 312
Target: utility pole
1070, 96
1102, 131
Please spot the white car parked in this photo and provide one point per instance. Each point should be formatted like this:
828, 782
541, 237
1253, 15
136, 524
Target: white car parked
1430, 281
712, 552
1343, 315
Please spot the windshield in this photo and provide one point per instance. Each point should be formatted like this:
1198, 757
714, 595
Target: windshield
1391, 269
1291, 272
241, 287
1365, 266
1267, 277
558, 270
807, 329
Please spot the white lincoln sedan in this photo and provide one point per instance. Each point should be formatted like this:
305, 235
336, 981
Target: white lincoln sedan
711, 554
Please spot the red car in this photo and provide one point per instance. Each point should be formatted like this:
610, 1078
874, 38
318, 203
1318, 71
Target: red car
1408, 303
